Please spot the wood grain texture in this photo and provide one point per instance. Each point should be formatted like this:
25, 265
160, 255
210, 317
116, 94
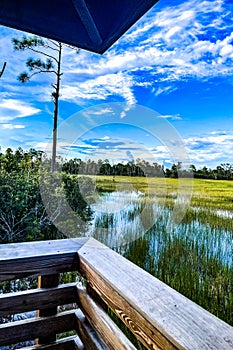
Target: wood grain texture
87, 334
102, 323
18, 331
159, 316
18, 260
34, 299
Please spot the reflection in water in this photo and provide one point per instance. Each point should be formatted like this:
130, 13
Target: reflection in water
194, 257
122, 217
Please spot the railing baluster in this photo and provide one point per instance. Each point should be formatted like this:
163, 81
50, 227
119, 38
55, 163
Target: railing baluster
48, 281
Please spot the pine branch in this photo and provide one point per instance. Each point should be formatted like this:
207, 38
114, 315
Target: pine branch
30, 44
27, 43
43, 53
35, 64
24, 77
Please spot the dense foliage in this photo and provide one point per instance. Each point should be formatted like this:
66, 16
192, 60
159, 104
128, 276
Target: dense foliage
141, 167
23, 214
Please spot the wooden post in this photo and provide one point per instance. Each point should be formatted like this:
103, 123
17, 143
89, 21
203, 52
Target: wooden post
48, 281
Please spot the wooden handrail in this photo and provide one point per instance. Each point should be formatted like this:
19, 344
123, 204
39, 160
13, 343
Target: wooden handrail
157, 315
18, 260
160, 317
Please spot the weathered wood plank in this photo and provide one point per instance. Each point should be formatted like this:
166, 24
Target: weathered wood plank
18, 260
87, 334
15, 332
158, 315
102, 323
34, 299
49, 281
21, 250
36, 266
63, 344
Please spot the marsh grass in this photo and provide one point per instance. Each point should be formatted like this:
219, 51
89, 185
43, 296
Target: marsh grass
195, 256
208, 216
205, 193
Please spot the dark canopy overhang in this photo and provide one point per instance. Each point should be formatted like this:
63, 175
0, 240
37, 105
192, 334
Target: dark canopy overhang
93, 25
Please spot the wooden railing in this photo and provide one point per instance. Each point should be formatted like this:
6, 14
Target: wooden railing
157, 315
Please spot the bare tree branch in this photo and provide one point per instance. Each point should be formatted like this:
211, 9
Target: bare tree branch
43, 53
54, 42
51, 48
3, 68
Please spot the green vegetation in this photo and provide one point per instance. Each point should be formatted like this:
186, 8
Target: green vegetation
206, 194
143, 168
131, 214
195, 256
23, 214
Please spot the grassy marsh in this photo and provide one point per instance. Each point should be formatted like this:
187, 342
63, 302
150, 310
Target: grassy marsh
193, 256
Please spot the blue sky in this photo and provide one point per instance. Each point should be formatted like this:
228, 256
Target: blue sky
177, 61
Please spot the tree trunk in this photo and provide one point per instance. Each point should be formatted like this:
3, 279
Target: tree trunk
55, 116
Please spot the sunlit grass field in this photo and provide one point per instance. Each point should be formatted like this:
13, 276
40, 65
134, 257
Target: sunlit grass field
212, 198
217, 194
194, 256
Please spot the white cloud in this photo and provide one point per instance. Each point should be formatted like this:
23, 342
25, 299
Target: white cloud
158, 90
215, 147
171, 117
12, 126
101, 111
101, 88
41, 145
11, 109
168, 44
210, 149
215, 138
219, 132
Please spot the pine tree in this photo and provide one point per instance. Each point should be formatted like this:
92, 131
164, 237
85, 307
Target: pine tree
51, 51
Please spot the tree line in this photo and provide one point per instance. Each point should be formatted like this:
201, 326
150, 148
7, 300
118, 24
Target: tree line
19, 160
141, 167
